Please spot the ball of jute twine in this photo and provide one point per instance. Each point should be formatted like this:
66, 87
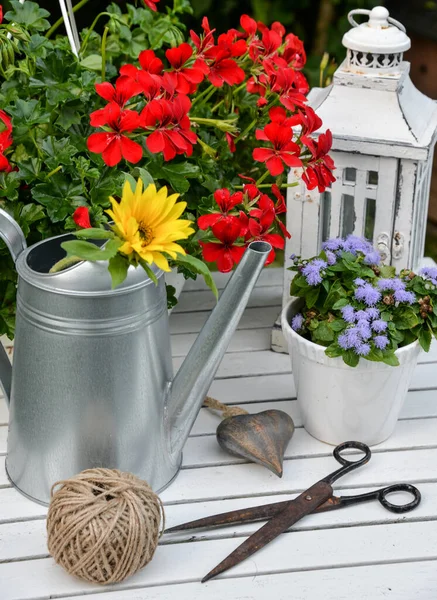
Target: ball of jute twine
103, 525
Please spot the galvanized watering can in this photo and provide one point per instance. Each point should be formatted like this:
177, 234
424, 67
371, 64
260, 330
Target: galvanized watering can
92, 379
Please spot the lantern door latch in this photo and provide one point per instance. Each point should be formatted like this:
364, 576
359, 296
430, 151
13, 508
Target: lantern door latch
398, 245
390, 248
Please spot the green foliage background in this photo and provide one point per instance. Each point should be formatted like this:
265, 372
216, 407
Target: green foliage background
320, 23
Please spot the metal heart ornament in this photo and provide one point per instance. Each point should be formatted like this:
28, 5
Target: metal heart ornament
261, 438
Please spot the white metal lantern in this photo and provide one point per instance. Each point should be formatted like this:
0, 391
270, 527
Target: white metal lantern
384, 132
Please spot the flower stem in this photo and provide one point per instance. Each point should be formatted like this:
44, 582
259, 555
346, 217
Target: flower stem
268, 185
104, 36
246, 131
64, 263
59, 22
261, 179
91, 29
54, 172
223, 125
203, 94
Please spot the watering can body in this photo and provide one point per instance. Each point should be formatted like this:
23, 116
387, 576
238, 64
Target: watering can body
92, 380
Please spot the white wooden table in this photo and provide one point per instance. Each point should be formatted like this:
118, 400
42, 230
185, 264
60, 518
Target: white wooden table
360, 553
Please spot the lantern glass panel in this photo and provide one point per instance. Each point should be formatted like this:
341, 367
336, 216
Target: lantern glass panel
348, 215
326, 215
369, 223
372, 178
349, 175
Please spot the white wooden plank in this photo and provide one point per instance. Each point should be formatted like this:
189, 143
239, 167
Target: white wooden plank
403, 581
240, 364
251, 340
293, 551
204, 300
22, 540
252, 318
204, 451
270, 276
419, 404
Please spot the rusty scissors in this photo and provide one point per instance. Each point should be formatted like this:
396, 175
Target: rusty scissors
282, 515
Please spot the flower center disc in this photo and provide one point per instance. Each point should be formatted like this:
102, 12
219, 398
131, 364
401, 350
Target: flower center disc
146, 233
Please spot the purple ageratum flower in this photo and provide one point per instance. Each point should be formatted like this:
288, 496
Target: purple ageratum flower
362, 315
381, 341
297, 322
348, 313
364, 329
373, 313
429, 273
362, 349
372, 258
379, 326
333, 244
359, 281
404, 296
394, 284
311, 271
343, 341
330, 257
368, 294
356, 244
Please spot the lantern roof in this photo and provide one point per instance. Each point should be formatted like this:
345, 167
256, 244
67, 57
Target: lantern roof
380, 34
373, 107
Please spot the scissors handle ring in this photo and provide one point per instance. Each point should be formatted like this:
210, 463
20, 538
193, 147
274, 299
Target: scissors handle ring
356, 446
399, 487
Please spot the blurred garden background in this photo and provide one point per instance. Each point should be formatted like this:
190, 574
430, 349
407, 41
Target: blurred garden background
321, 25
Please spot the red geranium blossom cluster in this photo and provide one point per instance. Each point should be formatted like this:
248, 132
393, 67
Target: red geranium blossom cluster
242, 218
5, 140
163, 101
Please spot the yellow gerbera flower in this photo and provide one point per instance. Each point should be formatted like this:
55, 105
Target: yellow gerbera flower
149, 223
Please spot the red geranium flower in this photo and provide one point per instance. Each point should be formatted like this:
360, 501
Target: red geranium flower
266, 47
5, 141
249, 25
81, 217
286, 85
1, 14
284, 149
123, 91
205, 42
294, 52
223, 69
225, 253
260, 231
230, 138
113, 144
226, 202
171, 127
151, 4
187, 77
150, 62
319, 168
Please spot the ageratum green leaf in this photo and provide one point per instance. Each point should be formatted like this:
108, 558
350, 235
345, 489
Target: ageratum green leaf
350, 358
311, 297
425, 338
200, 268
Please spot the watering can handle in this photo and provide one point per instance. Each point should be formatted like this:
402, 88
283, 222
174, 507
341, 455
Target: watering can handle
12, 235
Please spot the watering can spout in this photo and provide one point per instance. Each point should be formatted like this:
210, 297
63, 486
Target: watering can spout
192, 382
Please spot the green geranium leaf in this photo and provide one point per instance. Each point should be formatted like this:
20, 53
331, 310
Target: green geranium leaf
94, 233
29, 14
58, 195
350, 358
199, 267
28, 112
118, 268
92, 62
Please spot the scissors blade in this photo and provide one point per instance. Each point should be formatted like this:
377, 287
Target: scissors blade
249, 515
295, 510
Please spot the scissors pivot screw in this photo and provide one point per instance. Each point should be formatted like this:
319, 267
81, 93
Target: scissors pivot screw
308, 497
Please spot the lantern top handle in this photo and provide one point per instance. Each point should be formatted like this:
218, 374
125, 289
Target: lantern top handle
381, 34
378, 18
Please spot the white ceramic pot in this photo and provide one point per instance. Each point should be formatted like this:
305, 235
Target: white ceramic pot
177, 280
341, 403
